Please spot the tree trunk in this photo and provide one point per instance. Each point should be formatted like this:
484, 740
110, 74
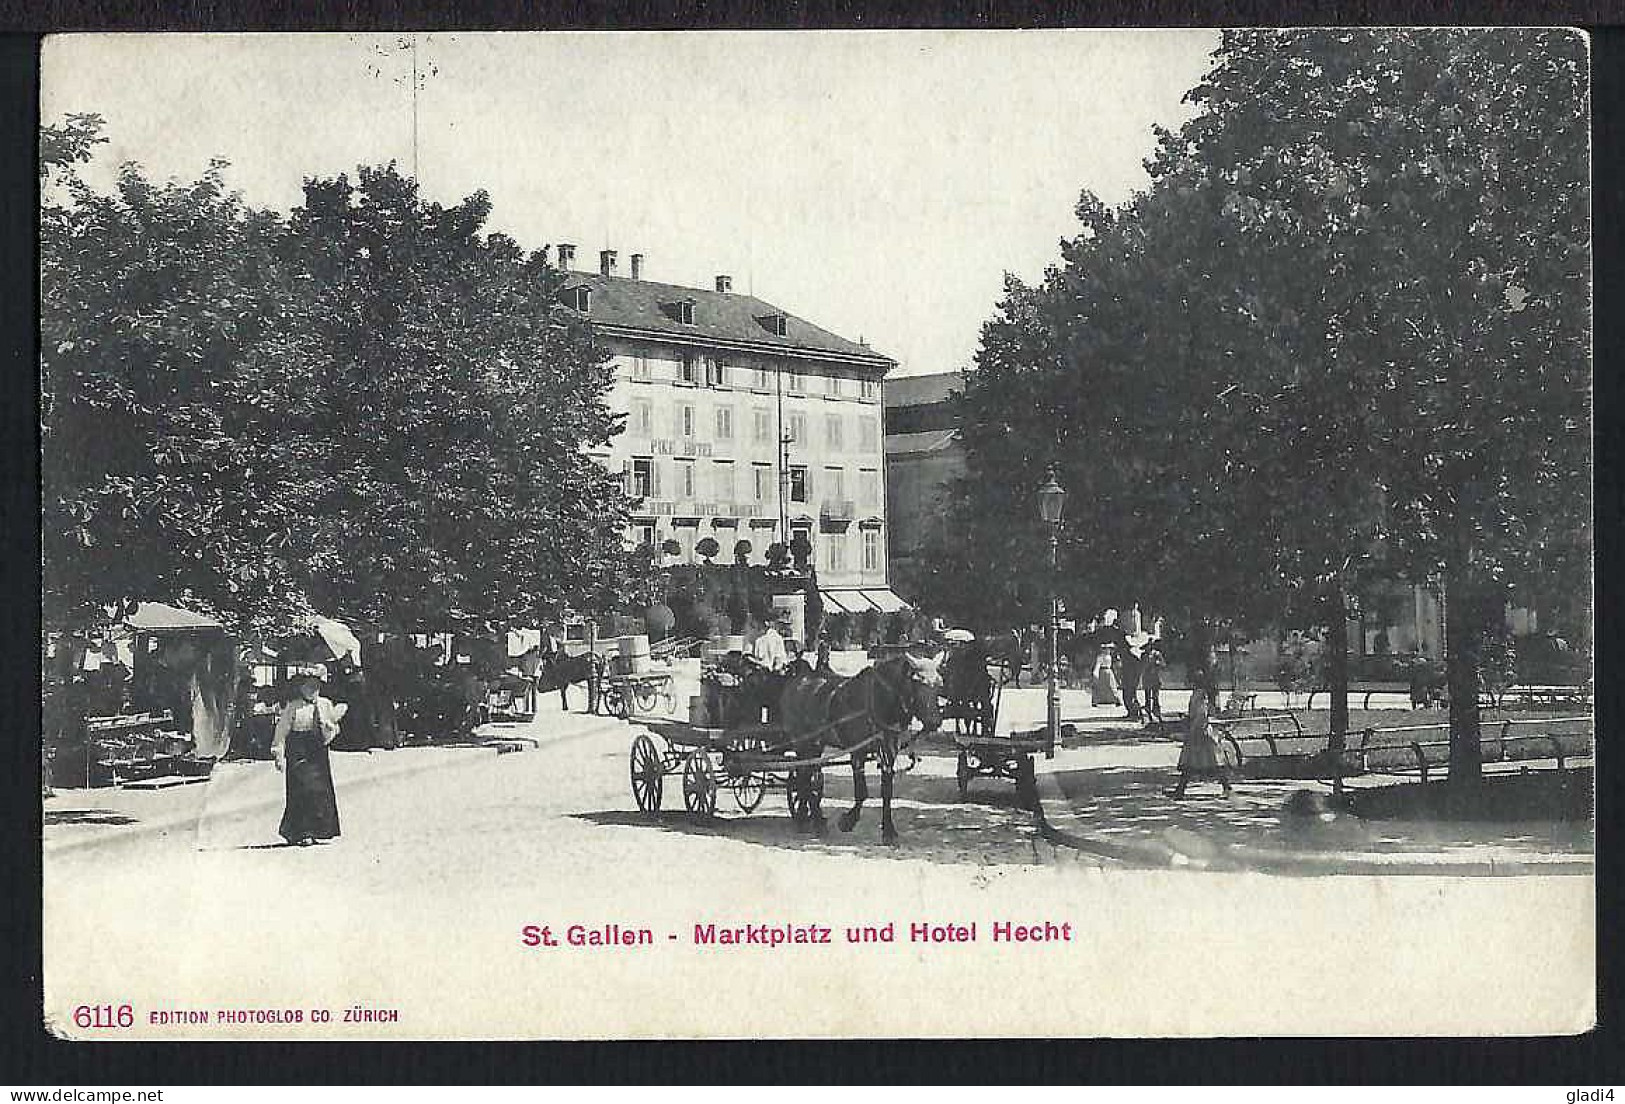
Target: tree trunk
1337, 670
1467, 615
1201, 663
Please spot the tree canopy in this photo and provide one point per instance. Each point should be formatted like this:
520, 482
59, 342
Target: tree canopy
1343, 334
370, 407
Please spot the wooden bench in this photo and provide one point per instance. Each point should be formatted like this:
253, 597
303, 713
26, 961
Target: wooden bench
1270, 744
1425, 749
1531, 696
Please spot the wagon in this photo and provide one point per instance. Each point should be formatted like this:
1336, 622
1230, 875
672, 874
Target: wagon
640, 691
746, 760
972, 703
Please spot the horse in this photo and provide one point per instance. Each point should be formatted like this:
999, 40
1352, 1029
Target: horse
1008, 651
821, 710
967, 689
559, 671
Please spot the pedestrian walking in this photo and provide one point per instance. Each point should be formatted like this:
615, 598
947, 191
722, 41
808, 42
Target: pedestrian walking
304, 728
1201, 757
1103, 681
1151, 681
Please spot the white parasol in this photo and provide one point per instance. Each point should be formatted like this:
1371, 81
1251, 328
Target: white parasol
339, 639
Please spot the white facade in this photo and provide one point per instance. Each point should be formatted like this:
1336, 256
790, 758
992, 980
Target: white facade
752, 446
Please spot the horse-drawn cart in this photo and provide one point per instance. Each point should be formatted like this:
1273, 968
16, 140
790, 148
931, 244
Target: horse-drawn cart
626, 692
747, 761
815, 720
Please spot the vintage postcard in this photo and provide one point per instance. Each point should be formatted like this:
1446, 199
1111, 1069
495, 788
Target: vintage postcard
821, 534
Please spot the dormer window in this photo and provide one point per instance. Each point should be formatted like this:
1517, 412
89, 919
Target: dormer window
685, 312
776, 324
580, 298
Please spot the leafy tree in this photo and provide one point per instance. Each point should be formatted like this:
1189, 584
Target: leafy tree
1342, 336
371, 408
453, 403
152, 301
1409, 219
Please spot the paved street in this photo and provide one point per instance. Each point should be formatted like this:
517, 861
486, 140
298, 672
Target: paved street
420, 909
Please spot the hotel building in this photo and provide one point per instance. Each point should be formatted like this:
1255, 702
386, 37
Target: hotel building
744, 422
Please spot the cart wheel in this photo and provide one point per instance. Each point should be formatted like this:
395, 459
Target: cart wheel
964, 773
648, 775
700, 784
805, 790
647, 697
749, 788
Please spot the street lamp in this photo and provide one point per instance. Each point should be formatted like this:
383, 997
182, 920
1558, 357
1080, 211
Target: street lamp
1051, 500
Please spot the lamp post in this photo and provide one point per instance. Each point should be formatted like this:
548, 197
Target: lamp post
1051, 500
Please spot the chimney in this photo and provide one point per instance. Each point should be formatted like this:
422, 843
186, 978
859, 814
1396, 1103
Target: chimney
637, 266
725, 283
606, 262
567, 257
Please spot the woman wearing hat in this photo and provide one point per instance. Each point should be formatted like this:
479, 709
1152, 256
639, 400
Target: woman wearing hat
304, 728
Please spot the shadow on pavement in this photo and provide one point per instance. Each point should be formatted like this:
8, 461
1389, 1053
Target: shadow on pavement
86, 816
933, 822
1128, 806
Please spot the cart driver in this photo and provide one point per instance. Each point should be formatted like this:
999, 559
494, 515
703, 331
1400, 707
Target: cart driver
768, 650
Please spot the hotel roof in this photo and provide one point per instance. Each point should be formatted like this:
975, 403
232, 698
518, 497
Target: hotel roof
727, 319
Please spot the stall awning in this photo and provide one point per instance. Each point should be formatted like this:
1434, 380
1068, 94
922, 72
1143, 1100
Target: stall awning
843, 601
884, 600
162, 617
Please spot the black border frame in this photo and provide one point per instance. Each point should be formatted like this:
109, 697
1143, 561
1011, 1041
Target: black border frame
28, 1056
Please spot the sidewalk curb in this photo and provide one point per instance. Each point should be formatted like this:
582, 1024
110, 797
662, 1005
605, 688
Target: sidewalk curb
407, 767
1241, 858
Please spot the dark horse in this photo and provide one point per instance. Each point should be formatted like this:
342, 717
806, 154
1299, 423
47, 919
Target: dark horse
820, 710
967, 689
559, 671
739, 692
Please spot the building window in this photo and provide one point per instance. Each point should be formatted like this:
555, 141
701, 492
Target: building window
722, 481
643, 534
761, 425
869, 487
685, 312
835, 484
725, 423
871, 550
685, 479
685, 420
640, 368
868, 435
832, 386
835, 557
832, 429
716, 372
643, 477
866, 388
643, 417
798, 483
689, 370
761, 478
580, 298
798, 428
758, 378
798, 382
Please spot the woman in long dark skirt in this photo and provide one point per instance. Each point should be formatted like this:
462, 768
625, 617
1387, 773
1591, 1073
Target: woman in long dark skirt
1202, 757
305, 727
